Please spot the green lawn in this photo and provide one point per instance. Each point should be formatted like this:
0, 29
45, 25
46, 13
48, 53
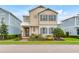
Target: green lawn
71, 39
66, 41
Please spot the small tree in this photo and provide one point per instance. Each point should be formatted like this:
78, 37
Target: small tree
58, 33
3, 30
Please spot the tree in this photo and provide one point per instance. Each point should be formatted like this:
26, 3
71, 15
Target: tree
3, 29
58, 33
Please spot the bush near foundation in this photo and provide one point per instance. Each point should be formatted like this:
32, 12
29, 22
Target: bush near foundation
40, 37
58, 34
49, 37
35, 37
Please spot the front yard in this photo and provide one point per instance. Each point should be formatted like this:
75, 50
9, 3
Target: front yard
66, 41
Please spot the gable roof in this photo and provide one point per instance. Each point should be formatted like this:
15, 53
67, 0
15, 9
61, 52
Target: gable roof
10, 13
37, 7
48, 9
69, 18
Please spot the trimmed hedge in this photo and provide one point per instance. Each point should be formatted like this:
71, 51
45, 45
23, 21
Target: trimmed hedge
10, 36
73, 36
13, 36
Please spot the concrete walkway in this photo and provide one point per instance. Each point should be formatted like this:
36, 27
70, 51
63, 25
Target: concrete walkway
39, 48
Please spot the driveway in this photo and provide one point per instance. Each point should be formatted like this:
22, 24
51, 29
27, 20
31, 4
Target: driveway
39, 48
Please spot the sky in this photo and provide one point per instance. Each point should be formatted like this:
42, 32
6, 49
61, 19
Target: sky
64, 11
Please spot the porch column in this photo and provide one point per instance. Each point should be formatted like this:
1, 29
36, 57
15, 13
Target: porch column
30, 31
23, 32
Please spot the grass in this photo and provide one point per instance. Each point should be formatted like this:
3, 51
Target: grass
66, 41
71, 39
41, 42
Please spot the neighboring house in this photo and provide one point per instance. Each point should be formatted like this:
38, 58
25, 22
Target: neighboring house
41, 20
71, 25
12, 21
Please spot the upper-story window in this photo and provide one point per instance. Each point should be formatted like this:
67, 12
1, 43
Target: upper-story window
55, 17
52, 17
47, 17
43, 17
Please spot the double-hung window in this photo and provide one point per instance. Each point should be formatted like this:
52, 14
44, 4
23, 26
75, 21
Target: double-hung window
47, 17
43, 30
51, 30
55, 17
52, 17
40, 17
43, 17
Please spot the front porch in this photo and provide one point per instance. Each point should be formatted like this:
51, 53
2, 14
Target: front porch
25, 27
25, 32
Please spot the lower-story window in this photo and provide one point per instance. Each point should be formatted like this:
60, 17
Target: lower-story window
43, 30
51, 30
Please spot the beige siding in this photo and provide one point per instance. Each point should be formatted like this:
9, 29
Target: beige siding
35, 24
25, 18
34, 30
34, 16
48, 12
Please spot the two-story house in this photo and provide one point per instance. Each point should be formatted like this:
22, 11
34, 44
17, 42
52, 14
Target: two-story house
41, 20
71, 25
11, 21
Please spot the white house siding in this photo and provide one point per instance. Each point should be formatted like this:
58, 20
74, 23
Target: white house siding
5, 16
70, 25
14, 25
77, 21
71, 30
68, 22
12, 22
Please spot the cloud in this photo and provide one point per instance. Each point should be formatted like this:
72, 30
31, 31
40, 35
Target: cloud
65, 14
61, 15
60, 11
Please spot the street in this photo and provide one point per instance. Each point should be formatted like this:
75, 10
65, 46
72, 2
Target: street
39, 48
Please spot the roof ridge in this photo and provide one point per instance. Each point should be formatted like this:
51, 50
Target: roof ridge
10, 13
37, 7
48, 9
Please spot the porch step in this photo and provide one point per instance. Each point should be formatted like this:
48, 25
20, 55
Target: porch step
25, 37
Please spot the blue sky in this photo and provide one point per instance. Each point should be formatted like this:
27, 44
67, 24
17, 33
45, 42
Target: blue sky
65, 11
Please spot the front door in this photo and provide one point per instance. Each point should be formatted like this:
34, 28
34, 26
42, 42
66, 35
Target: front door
77, 31
27, 31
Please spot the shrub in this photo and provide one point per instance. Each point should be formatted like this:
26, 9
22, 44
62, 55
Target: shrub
41, 38
35, 37
67, 34
17, 39
32, 37
49, 37
58, 33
